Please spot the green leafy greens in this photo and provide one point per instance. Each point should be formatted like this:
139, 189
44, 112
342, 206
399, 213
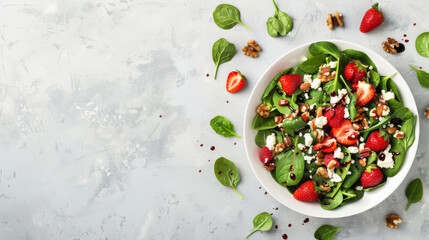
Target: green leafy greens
227, 16
222, 52
226, 173
414, 192
422, 44
222, 126
422, 76
262, 222
281, 24
326, 232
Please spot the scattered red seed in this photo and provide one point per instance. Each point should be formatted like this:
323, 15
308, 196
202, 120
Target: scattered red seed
207, 75
201, 145
276, 227
227, 101
420, 67
160, 116
284, 236
259, 187
289, 225
212, 148
277, 208
405, 35
271, 213
414, 24
235, 143
265, 193
306, 220
199, 170
406, 40
209, 160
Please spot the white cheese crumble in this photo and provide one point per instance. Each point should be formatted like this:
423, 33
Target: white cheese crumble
309, 158
353, 149
307, 79
332, 64
271, 141
338, 153
321, 121
385, 112
333, 176
387, 95
370, 67
346, 113
361, 139
306, 96
359, 188
301, 146
335, 99
308, 139
361, 146
349, 173
312, 106
353, 161
316, 83
388, 159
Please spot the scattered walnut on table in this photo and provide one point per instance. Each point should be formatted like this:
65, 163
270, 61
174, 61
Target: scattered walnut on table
334, 21
393, 220
251, 49
427, 112
390, 46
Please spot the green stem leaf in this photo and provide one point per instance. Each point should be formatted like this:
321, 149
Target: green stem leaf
237, 192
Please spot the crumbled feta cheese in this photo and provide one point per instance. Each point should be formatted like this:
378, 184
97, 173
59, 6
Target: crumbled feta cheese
370, 67
353, 161
307, 79
316, 83
353, 149
310, 150
388, 159
300, 134
347, 99
361, 139
349, 173
309, 158
338, 153
335, 99
361, 146
311, 177
312, 106
333, 176
301, 146
359, 188
324, 65
365, 109
346, 113
391, 125
308, 139
380, 119
342, 92
385, 112
321, 121
306, 96
368, 74
387, 95
332, 64
320, 89
271, 141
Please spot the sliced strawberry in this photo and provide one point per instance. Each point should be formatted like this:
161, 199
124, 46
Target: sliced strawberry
329, 114
355, 71
345, 133
306, 192
364, 93
371, 177
290, 83
265, 155
372, 19
376, 141
327, 146
338, 116
235, 82
329, 158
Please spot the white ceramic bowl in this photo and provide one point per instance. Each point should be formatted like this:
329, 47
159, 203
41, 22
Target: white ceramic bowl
370, 199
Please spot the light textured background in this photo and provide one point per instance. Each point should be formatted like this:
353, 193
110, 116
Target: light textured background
85, 154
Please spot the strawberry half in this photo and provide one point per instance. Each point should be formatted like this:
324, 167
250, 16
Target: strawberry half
372, 19
371, 177
328, 158
327, 146
377, 141
306, 192
345, 133
235, 81
364, 93
338, 117
355, 71
265, 155
290, 83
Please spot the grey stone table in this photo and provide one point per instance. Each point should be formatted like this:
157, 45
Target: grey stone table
105, 109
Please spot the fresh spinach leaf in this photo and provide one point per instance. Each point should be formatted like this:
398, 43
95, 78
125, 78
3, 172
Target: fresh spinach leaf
260, 123
414, 192
374, 78
372, 158
272, 85
353, 99
290, 167
351, 195
422, 76
312, 64
226, 173
332, 203
262, 222
281, 24
227, 16
324, 47
291, 126
408, 127
398, 159
222, 52
282, 109
222, 126
357, 171
387, 84
403, 113
326, 232
422, 44
261, 137
361, 56
394, 105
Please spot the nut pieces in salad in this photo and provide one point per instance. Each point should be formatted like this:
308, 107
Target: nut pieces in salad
333, 127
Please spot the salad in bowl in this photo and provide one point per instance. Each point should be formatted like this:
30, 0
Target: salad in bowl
333, 127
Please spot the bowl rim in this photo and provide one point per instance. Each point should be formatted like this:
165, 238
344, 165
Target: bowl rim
409, 158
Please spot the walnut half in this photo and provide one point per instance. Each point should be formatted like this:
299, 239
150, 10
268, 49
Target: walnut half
251, 49
393, 220
390, 46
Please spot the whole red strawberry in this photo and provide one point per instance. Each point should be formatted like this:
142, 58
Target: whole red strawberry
372, 19
265, 155
306, 192
371, 177
377, 141
290, 83
235, 81
355, 71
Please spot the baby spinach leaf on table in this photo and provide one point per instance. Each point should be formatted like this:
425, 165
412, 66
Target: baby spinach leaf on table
326, 232
332, 203
324, 47
414, 192
422, 76
290, 163
399, 159
408, 127
374, 78
272, 85
227, 16
222, 52
262, 222
361, 56
280, 24
312, 64
222, 126
422, 44
226, 173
